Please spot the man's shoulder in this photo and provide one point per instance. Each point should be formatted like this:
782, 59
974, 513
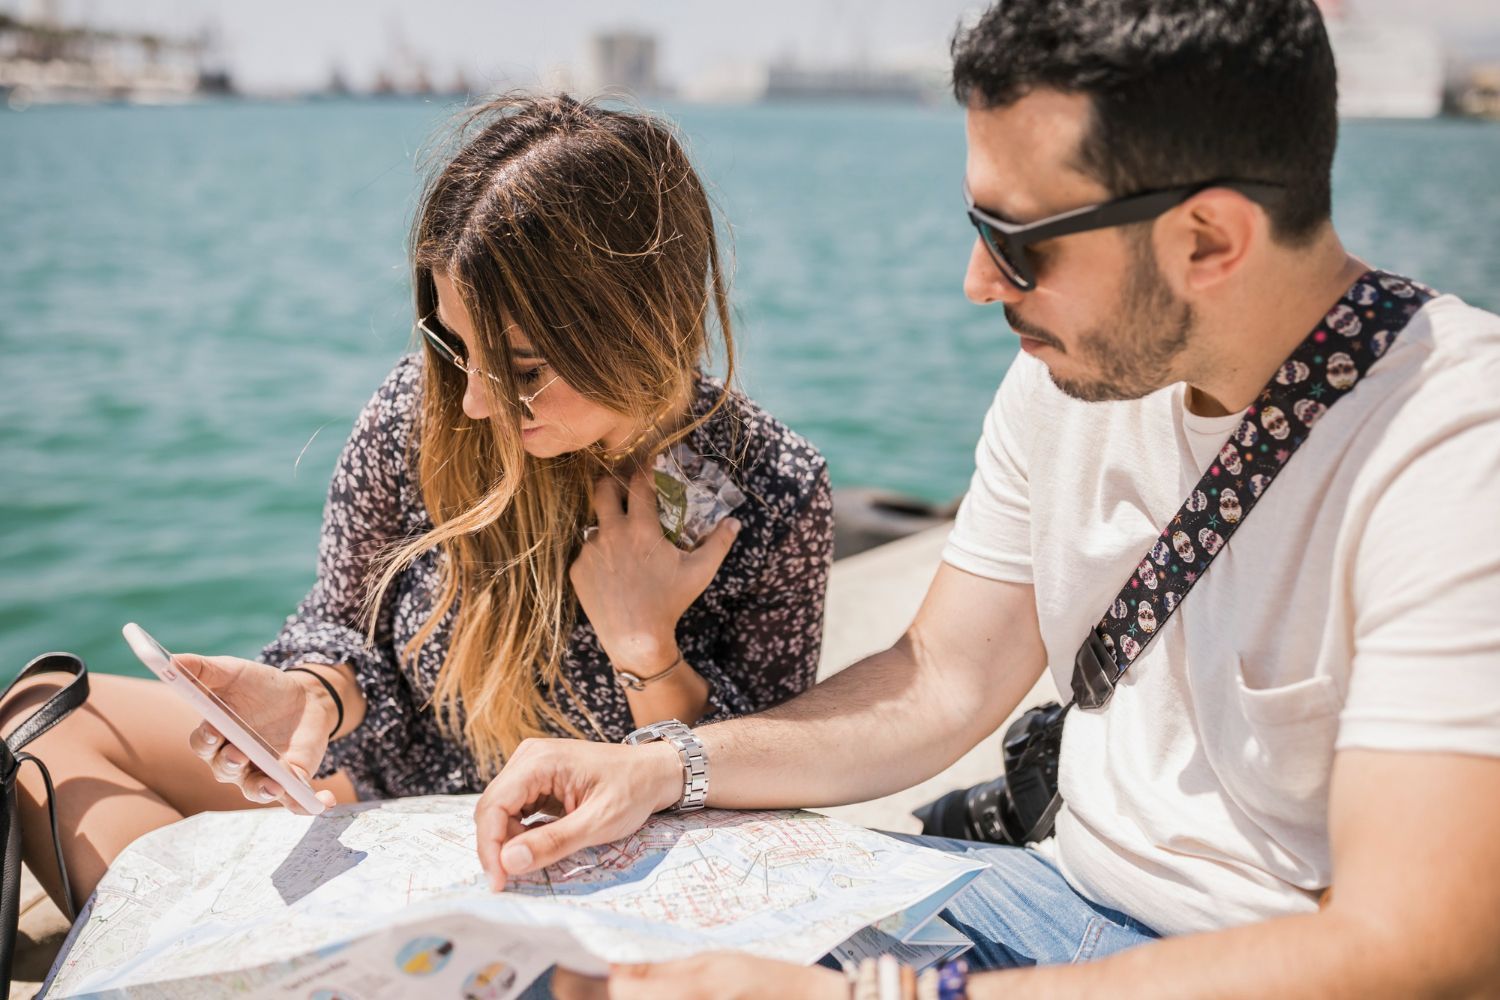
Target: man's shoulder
1442, 373
1458, 337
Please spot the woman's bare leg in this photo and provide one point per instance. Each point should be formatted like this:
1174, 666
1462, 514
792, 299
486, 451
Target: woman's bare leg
122, 767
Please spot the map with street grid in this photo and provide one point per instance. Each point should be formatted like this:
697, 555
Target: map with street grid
254, 903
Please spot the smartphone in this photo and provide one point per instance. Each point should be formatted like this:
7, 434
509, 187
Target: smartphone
221, 717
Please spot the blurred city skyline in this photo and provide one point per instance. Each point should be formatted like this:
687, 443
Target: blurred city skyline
706, 51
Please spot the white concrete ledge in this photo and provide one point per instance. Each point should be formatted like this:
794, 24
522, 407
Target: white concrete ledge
872, 598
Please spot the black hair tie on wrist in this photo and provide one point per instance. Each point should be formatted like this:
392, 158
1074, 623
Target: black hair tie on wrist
338, 702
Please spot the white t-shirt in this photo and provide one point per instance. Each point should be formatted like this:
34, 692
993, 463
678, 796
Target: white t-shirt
1358, 605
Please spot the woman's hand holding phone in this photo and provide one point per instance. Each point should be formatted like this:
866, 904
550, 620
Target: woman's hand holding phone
291, 712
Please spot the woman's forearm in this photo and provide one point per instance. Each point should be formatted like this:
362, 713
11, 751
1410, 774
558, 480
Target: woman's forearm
681, 694
341, 676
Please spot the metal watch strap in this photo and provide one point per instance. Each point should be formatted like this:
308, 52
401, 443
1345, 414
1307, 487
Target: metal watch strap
694, 759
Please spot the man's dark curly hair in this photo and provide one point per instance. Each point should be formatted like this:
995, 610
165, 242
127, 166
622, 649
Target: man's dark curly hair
1183, 91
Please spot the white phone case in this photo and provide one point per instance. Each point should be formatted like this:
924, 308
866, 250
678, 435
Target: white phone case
221, 717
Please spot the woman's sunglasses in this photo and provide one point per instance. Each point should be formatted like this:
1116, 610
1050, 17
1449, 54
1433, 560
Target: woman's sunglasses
1007, 241
451, 349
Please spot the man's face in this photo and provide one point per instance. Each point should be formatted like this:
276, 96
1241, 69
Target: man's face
1101, 317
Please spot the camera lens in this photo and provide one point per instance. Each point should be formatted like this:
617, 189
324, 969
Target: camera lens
946, 816
985, 809
992, 812
977, 813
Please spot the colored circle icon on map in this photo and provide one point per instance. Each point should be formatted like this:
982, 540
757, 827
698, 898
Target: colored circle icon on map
493, 982
424, 955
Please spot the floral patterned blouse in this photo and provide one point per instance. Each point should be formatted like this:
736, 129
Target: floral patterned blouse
754, 634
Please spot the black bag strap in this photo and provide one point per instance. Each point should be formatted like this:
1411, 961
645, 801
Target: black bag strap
56, 708
1324, 368
12, 755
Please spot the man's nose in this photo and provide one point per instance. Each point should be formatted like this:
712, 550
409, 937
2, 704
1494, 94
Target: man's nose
983, 282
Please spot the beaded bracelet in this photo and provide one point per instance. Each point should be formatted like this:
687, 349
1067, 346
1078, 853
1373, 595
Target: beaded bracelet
884, 978
953, 980
890, 978
864, 980
338, 703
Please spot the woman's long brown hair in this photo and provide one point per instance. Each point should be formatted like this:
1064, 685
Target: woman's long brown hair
587, 229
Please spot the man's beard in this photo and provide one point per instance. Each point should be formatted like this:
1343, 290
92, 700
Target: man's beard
1133, 356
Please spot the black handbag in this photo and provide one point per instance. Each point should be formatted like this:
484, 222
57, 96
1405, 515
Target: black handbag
12, 756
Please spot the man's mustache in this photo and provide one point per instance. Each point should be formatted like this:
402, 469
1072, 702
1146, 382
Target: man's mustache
1029, 331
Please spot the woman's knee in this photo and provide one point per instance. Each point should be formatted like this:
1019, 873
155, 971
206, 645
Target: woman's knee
26, 697
104, 723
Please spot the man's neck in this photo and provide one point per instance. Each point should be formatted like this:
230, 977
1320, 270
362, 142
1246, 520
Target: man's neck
1252, 335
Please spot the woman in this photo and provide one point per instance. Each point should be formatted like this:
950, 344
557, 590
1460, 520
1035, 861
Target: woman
549, 522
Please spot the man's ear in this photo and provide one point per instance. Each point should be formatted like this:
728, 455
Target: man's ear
1206, 240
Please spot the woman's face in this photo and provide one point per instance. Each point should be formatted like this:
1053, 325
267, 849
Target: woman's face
562, 420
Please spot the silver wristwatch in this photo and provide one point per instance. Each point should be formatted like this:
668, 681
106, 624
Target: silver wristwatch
694, 759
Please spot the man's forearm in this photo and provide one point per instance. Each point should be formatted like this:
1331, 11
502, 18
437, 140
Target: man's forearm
884, 724
1323, 956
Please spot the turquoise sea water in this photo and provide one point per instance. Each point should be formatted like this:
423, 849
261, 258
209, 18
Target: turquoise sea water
198, 300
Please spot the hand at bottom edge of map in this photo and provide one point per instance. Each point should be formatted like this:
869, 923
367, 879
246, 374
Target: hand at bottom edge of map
715, 975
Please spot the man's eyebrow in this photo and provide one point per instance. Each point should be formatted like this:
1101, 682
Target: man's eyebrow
998, 213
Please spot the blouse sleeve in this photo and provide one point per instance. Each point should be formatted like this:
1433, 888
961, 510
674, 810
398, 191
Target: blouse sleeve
774, 638
364, 513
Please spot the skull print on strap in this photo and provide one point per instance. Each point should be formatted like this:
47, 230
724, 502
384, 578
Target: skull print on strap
1326, 366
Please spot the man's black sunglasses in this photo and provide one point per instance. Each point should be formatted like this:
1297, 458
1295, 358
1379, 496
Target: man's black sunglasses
1007, 241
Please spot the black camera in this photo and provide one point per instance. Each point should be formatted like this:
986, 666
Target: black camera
1018, 807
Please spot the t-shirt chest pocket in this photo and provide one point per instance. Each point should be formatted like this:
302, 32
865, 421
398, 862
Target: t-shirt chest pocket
1275, 746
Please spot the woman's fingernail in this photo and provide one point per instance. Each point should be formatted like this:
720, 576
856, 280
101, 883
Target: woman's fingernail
516, 858
233, 766
211, 739
263, 795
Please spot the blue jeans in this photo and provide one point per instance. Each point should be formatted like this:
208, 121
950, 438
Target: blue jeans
1021, 911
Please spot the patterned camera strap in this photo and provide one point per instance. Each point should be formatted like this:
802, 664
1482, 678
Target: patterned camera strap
1355, 333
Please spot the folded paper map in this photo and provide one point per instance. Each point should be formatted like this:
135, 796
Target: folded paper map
387, 899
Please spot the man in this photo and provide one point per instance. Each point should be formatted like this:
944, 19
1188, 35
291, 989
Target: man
1323, 709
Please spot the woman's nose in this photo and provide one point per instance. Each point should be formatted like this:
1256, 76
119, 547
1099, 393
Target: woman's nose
477, 401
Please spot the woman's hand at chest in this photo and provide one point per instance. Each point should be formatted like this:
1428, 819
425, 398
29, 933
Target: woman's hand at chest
634, 585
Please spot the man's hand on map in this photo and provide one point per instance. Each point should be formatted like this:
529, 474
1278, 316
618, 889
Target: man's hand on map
600, 791
728, 975
275, 704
